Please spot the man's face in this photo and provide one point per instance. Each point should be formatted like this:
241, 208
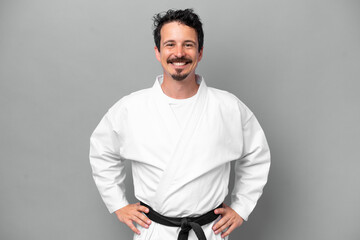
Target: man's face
179, 54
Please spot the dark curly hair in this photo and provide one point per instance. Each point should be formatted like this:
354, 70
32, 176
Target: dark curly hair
186, 16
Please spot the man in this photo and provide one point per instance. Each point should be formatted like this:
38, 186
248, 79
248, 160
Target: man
180, 137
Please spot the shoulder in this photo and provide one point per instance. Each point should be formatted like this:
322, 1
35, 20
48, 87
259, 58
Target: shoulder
135, 98
228, 100
120, 110
222, 95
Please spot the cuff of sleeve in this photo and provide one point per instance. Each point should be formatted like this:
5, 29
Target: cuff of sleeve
241, 210
119, 204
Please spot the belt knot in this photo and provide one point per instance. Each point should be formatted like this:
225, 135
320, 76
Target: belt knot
185, 226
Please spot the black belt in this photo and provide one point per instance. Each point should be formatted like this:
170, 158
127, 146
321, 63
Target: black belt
186, 223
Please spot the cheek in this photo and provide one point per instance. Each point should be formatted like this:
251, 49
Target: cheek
164, 57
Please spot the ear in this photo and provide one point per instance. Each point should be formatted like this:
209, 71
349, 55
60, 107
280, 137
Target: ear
157, 54
201, 54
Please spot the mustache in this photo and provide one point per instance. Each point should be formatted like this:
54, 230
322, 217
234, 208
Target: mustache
182, 59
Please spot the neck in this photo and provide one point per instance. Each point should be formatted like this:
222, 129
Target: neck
180, 89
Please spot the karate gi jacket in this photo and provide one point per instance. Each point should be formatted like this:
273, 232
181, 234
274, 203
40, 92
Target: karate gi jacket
180, 172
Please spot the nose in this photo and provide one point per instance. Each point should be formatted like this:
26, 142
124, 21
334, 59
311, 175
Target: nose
179, 51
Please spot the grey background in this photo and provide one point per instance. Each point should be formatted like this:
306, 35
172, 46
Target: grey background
296, 64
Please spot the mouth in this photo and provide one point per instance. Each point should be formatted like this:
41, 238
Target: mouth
179, 62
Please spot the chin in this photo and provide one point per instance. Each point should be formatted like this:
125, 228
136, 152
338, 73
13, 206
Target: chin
178, 77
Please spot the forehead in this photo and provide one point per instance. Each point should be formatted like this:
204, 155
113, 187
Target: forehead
177, 31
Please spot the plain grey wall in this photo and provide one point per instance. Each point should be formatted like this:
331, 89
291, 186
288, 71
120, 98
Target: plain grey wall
296, 64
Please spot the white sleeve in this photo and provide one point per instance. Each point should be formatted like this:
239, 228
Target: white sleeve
107, 165
251, 170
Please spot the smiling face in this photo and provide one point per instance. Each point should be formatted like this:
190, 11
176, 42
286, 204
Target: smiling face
179, 54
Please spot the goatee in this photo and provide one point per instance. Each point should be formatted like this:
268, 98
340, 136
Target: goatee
179, 76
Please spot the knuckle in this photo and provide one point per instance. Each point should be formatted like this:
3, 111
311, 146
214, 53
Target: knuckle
139, 221
143, 218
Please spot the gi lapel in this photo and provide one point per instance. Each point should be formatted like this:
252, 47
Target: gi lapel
176, 159
167, 115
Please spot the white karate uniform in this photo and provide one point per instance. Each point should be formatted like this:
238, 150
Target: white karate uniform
180, 171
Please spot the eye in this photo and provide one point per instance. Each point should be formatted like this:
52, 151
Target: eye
189, 45
169, 44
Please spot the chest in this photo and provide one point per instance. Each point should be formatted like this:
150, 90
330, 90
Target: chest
153, 136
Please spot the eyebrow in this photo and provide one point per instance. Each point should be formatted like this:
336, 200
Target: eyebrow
191, 41
186, 41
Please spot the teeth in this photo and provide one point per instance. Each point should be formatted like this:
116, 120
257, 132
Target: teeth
179, 63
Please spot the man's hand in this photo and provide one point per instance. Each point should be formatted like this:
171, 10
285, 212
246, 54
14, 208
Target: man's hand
229, 220
133, 212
